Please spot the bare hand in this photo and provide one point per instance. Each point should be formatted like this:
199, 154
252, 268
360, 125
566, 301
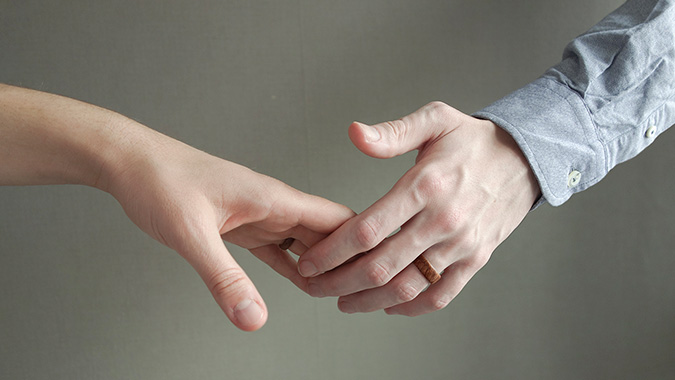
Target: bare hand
190, 201
469, 189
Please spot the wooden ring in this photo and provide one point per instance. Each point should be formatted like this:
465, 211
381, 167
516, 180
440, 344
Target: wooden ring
427, 269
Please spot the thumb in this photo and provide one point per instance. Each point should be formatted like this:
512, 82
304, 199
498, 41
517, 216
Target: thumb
230, 286
393, 138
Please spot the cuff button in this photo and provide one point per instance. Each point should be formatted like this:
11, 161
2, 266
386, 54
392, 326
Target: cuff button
573, 179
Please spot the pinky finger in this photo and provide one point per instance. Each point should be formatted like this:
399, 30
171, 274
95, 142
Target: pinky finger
438, 295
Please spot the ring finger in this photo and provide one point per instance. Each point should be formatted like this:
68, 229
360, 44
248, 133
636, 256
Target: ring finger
403, 288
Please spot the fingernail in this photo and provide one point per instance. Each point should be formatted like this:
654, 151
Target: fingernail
248, 312
346, 307
390, 312
307, 269
314, 290
371, 134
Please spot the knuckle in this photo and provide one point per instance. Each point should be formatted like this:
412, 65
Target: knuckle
467, 241
227, 282
449, 220
431, 183
396, 129
439, 302
437, 105
368, 233
478, 261
405, 293
314, 289
377, 274
440, 109
443, 115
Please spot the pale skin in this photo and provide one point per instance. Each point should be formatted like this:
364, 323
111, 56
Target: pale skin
468, 190
184, 198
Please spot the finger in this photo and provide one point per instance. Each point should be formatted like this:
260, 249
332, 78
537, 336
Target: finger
380, 265
319, 214
438, 295
297, 248
403, 288
253, 235
393, 138
363, 232
306, 236
282, 263
230, 286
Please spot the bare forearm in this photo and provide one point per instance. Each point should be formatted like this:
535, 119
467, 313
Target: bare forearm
50, 139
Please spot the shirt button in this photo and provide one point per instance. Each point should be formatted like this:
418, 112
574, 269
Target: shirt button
651, 131
573, 179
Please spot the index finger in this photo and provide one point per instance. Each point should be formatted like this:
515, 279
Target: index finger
317, 213
363, 232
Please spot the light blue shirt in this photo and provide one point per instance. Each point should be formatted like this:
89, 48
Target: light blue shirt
605, 102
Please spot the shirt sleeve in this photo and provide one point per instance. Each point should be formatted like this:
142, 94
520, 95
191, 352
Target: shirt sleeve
606, 101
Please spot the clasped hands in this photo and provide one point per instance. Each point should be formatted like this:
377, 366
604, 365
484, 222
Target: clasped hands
468, 190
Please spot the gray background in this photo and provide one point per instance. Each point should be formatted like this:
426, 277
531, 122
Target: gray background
581, 291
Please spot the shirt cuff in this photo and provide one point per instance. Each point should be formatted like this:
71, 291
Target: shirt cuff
554, 129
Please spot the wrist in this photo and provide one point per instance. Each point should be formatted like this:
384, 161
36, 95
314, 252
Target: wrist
516, 170
127, 150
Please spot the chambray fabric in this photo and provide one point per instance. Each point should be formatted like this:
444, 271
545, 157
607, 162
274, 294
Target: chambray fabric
591, 111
